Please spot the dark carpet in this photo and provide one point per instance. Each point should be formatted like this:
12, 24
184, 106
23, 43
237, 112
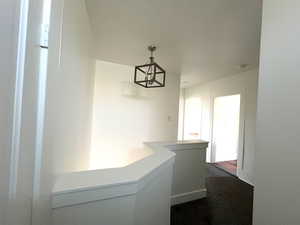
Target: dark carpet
229, 202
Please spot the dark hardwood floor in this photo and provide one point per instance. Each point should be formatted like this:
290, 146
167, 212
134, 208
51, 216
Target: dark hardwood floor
229, 202
192, 213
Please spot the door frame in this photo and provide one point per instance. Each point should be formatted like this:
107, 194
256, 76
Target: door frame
241, 141
25, 113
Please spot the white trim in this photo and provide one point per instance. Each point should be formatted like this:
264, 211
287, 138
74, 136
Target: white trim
41, 103
246, 181
94, 193
211, 114
183, 112
17, 114
241, 144
40, 126
244, 178
188, 196
196, 145
179, 145
61, 30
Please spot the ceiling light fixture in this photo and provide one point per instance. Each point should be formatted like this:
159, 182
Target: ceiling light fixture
150, 75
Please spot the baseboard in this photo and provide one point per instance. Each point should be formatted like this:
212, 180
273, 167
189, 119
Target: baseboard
246, 180
188, 196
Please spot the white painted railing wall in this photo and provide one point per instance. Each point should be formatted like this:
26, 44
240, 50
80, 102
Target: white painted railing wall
140, 193
189, 174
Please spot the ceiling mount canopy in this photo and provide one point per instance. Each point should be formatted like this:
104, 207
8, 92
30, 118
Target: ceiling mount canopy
150, 75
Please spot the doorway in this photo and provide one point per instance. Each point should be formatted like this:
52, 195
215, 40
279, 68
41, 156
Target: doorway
226, 132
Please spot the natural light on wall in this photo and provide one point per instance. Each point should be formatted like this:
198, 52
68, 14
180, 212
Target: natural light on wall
192, 119
226, 120
112, 157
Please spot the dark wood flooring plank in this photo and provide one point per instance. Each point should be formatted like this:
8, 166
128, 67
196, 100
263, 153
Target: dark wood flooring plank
229, 202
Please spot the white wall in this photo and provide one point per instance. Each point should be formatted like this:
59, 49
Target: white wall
277, 192
188, 183
68, 100
117, 196
244, 83
121, 123
8, 22
70, 91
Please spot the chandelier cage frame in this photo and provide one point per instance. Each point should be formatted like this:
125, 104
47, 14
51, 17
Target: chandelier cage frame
150, 75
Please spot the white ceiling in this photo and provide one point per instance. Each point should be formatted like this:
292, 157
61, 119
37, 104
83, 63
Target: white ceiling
202, 40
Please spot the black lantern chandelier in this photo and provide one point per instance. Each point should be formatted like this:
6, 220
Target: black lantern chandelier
150, 75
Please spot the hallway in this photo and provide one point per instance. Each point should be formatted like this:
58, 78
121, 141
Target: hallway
229, 202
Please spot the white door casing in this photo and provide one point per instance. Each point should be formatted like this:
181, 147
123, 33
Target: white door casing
240, 158
22, 160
